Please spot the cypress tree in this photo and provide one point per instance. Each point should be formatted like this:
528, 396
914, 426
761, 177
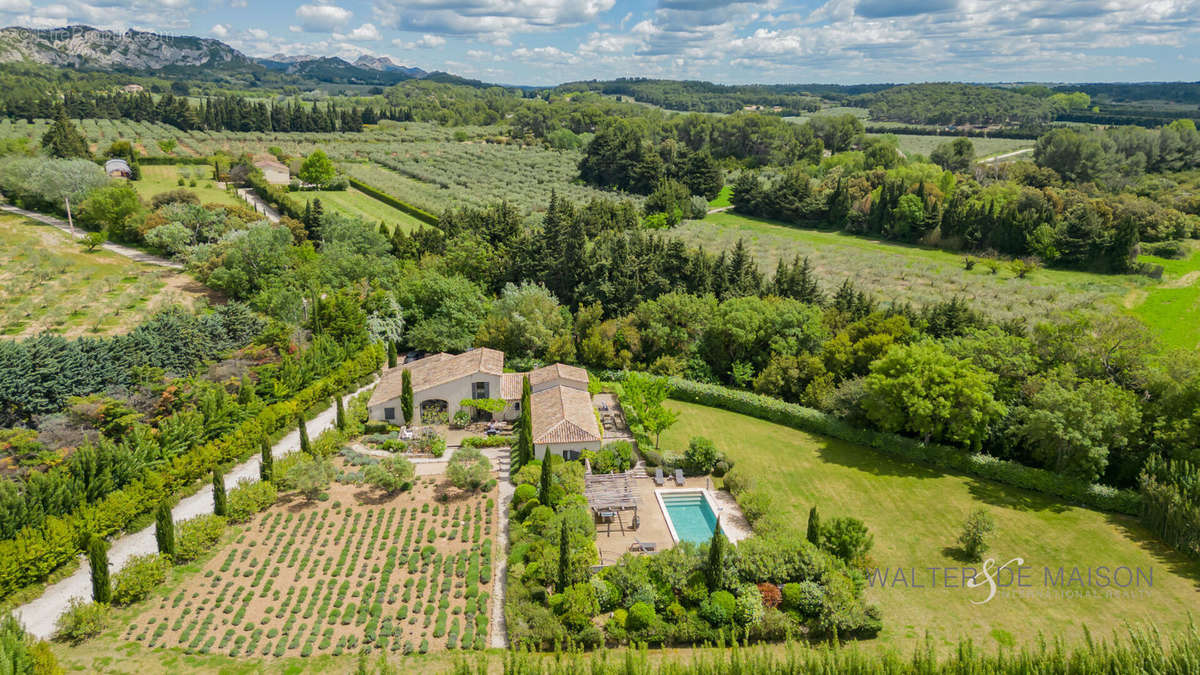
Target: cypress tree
564, 558
98, 558
391, 353
525, 427
544, 482
220, 501
164, 530
714, 569
266, 464
406, 397
340, 418
304, 444
246, 394
814, 527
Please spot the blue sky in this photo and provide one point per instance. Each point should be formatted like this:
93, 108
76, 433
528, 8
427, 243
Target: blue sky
550, 41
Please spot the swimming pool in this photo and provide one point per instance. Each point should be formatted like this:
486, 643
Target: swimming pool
691, 514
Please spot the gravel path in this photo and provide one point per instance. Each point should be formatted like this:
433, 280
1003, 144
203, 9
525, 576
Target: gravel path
131, 253
40, 615
259, 205
500, 555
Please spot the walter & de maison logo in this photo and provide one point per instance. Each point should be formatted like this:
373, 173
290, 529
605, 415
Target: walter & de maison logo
1013, 578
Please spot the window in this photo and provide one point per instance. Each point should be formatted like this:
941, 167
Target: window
517, 406
479, 390
389, 413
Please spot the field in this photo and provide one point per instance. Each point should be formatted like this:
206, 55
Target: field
353, 203
912, 144
156, 179
51, 284
916, 514
902, 273
358, 572
1171, 308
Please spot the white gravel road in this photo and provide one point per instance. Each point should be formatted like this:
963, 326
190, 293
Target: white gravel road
40, 615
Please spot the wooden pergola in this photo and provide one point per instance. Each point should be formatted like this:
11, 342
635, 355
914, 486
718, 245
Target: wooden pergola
609, 494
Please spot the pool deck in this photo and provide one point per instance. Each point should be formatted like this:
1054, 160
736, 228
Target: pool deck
653, 526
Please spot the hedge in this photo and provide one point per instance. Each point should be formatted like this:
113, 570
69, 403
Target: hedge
384, 197
167, 160
796, 416
37, 551
274, 195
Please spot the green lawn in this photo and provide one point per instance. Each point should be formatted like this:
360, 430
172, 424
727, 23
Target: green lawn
899, 272
1172, 308
723, 198
916, 514
156, 179
358, 204
914, 144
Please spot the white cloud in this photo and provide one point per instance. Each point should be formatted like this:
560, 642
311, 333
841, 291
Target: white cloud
364, 33
426, 41
15, 5
489, 20
322, 18
220, 30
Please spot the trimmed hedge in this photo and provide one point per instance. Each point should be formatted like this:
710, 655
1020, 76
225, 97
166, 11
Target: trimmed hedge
796, 416
384, 197
37, 551
274, 195
168, 160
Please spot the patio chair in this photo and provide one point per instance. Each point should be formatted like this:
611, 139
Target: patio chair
658, 477
643, 546
679, 477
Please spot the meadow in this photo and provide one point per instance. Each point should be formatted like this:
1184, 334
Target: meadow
353, 203
162, 178
913, 144
903, 273
916, 514
51, 284
360, 573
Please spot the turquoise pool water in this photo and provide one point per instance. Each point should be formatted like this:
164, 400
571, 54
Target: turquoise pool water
691, 515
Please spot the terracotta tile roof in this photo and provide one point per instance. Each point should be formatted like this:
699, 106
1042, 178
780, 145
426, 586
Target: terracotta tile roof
558, 370
436, 370
564, 415
510, 386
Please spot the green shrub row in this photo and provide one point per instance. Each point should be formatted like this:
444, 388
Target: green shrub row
168, 160
375, 193
37, 551
274, 195
488, 441
983, 466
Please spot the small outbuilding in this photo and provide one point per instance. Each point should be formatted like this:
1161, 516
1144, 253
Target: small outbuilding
118, 168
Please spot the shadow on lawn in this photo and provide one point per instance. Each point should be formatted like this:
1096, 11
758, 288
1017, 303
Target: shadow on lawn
869, 461
1175, 562
1012, 497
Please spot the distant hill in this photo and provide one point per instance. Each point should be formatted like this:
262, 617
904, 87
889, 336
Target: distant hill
340, 71
89, 48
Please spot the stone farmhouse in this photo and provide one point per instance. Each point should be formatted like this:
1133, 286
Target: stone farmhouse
564, 421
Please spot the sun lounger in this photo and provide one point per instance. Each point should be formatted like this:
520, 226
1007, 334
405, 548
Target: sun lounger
643, 546
658, 477
679, 477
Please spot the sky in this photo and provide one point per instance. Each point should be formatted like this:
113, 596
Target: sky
539, 42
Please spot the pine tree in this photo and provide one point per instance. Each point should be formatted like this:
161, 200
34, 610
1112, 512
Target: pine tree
564, 558
340, 415
714, 572
303, 428
544, 481
814, 527
266, 464
164, 530
98, 559
246, 393
391, 354
220, 501
406, 397
63, 139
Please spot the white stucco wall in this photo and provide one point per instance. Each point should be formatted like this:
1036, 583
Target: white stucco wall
539, 449
451, 393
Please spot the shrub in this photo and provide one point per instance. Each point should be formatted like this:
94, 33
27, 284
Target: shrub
749, 606
641, 617
701, 455
391, 474
607, 594
975, 532
489, 441
771, 596
468, 469
804, 598
141, 575
755, 504
249, 498
80, 621
737, 483
196, 536
720, 469
718, 608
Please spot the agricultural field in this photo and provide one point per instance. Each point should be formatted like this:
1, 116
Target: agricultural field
904, 273
51, 284
915, 515
912, 144
356, 204
158, 179
359, 572
1171, 308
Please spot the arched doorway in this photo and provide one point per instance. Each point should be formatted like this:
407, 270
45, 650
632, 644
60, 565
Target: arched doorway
435, 411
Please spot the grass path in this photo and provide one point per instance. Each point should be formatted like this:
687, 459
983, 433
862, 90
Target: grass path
916, 514
360, 205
